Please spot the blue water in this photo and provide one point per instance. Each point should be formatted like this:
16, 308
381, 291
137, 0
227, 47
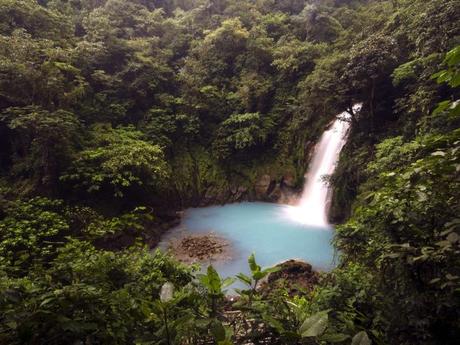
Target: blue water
263, 228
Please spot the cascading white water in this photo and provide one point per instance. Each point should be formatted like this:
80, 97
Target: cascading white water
314, 202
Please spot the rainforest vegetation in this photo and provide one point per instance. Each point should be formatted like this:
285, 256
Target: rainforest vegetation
115, 114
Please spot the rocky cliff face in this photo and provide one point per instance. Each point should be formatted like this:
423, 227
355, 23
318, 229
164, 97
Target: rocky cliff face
266, 188
201, 180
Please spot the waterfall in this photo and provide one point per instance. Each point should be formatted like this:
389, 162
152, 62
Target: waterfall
314, 203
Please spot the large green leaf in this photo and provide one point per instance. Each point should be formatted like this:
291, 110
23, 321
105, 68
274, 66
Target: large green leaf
217, 330
167, 291
244, 278
335, 338
225, 342
271, 269
227, 282
361, 338
259, 275
273, 323
252, 264
314, 325
213, 280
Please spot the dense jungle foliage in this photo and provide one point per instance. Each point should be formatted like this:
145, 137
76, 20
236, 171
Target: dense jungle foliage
115, 112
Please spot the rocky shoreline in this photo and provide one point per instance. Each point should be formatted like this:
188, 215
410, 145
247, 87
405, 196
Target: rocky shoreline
296, 276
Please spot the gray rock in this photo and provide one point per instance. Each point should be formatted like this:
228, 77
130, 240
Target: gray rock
262, 185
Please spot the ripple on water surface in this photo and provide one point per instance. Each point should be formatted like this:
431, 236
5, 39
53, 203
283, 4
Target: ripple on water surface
264, 228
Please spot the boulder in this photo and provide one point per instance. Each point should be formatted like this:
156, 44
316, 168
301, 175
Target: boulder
239, 193
275, 193
288, 180
262, 186
296, 276
215, 195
